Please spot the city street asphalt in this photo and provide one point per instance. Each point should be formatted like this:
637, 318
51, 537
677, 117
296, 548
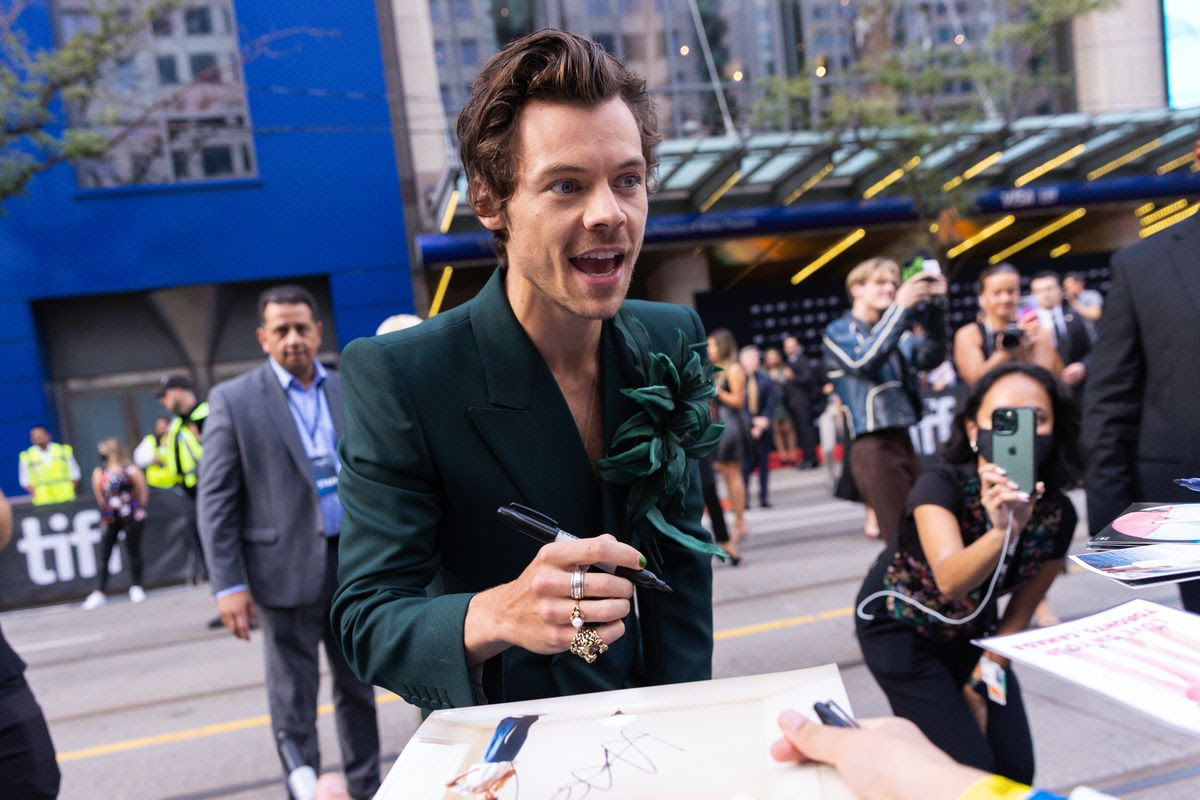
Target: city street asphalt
144, 702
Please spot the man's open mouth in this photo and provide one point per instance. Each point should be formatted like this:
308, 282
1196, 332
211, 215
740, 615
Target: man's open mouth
600, 262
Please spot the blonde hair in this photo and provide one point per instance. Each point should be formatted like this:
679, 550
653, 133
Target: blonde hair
112, 448
863, 272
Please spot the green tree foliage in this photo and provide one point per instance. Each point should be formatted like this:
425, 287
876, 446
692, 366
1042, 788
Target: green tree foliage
39, 88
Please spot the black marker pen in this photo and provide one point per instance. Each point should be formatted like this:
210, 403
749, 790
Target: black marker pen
830, 713
545, 530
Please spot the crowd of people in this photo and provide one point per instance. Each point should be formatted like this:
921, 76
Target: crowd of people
357, 508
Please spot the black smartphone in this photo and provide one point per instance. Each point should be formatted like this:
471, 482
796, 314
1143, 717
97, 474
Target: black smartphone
1013, 431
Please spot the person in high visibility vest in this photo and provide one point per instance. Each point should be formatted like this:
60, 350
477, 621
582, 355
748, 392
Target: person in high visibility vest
151, 456
48, 470
181, 453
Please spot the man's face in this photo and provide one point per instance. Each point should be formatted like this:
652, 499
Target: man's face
578, 211
1072, 287
172, 400
791, 346
750, 360
291, 336
1046, 292
39, 437
877, 291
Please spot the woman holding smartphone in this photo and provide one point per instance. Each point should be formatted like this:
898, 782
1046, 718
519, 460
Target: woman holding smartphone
927, 597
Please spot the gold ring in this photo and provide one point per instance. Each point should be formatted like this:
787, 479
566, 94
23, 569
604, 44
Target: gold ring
587, 644
576, 617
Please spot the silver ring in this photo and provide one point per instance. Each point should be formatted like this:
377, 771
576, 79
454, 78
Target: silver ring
577, 584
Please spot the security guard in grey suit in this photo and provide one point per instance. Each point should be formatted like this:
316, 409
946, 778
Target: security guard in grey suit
270, 518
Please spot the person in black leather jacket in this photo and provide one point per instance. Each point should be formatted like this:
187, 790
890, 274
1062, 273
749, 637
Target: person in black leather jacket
872, 357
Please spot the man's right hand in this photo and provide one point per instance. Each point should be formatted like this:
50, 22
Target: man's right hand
534, 611
237, 613
919, 289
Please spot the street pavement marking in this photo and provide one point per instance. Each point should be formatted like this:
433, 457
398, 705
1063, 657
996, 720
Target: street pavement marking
192, 733
387, 697
778, 624
53, 643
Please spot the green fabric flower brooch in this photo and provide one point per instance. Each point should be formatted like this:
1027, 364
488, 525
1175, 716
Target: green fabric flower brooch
649, 451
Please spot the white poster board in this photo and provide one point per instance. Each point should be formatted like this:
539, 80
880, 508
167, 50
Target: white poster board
704, 741
1142, 654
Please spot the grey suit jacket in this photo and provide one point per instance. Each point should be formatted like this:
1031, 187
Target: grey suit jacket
259, 517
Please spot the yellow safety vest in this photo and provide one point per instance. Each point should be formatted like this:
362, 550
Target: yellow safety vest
158, 475
49, 473
181, 441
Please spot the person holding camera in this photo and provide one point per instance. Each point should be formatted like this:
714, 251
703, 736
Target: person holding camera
872, 358
969, 535
999, 335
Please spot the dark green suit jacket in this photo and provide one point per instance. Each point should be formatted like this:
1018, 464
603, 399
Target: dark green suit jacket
447, 421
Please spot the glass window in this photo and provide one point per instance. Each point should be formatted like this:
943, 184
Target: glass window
435, 10
468, 51
599, 8
216, 160
462, 9
607, 41
168, 71
204, 67
197, 21
631, 6
180, 162
127, 74
74, 22
161, 25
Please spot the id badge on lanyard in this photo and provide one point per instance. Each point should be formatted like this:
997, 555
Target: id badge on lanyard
324, 474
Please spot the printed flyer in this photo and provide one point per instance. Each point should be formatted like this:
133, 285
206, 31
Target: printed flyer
1142, 654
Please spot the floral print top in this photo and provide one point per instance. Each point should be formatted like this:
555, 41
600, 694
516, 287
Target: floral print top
1045, 537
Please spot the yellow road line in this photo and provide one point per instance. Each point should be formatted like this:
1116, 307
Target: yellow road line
191, 733
265, 721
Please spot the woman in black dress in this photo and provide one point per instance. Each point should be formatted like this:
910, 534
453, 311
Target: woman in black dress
734, 445
948, 559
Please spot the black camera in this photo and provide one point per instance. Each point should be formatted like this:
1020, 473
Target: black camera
1012, 337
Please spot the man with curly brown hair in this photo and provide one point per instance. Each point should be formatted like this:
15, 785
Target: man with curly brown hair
517, 396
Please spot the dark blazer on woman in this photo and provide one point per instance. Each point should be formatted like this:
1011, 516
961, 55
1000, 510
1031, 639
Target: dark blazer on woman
447, 421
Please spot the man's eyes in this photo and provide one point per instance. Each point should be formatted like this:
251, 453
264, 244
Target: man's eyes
567, 186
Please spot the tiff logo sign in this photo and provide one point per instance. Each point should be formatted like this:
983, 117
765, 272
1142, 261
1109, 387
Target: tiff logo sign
70, 545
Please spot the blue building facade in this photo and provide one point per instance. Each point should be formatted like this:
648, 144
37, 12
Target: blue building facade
324, 205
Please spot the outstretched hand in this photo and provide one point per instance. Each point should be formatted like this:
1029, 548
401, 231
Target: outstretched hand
885, 758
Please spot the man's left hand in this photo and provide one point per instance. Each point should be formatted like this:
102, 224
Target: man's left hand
237, 613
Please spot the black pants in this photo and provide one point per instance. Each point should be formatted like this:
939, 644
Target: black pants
197, 565
923, 681
800, 409
757, 458
133, 547
28, 770
712, 501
